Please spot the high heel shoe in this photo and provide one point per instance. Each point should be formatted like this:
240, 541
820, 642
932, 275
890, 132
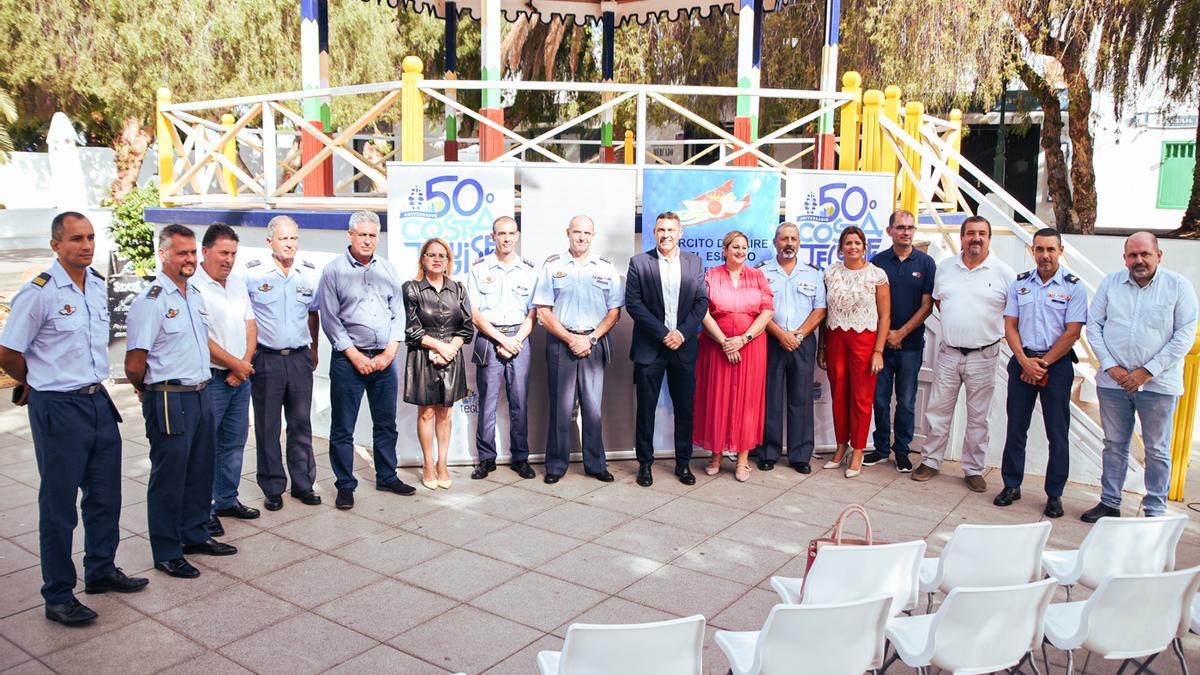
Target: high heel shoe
742, 473
714, 465
856, 455
444, 484
839, 458
430, 483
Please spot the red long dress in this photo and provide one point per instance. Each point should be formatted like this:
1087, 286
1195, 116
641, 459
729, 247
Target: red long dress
731, 398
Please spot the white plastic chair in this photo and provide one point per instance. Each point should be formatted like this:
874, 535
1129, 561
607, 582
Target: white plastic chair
1130, 616
850, 573
975, 630
1196, 615
845, 638
1118, 546
981, 556
671, 647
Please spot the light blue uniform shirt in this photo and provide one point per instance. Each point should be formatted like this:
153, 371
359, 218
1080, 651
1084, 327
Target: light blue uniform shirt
174, 332
61, 331
281, 304
1043, 310
581, 292
361, 305
503, 294
1151, 328
796, 294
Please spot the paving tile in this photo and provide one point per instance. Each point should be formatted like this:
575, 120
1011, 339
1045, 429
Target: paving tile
385, 608
698, 516
512, 503
144, 647
525, 661
20, 590
13, 558
538, 601
572, 486
746, 496
715, 662
650, 539
922, 499
806, 508
208, 664
165, 592
17, 494
578, 520
385, 659
11, 655
220, 618
600, 568
328, 529
460, 574
732, 560
684, 592
523, 545
615, 610
316, 580
625, 497
897, 528
18, 520
834, 488
440, 641
455, 526
787, 536
393, 510
30, 630
389, 551
747, 612
313, 645
257, 555
30, 668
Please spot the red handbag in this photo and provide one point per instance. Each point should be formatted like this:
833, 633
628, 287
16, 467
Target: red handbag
836, 538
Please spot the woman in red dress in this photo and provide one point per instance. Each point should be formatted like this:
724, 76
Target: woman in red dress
731, 369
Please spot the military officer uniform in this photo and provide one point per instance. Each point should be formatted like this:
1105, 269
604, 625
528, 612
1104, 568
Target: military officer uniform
62, 333
283, 373
791, 373
580, 294
503, 294
1043, 311
173, 330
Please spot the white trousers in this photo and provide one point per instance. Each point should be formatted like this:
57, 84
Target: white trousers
951, 371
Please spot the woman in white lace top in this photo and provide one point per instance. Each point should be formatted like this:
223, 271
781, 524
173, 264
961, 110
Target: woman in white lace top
852, 340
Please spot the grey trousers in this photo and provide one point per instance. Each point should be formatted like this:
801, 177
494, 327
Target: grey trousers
283, 382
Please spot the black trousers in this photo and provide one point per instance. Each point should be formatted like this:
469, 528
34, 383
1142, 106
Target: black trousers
1056, 414
283, 383
681, 383
790, 375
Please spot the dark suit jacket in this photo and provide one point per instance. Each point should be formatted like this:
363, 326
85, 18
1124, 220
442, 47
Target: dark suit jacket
644, 303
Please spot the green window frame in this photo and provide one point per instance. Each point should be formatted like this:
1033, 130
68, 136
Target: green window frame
1175, 174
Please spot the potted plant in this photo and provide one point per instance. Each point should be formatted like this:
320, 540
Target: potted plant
131, 265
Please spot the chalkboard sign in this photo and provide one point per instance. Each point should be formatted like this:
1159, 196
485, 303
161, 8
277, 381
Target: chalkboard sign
123, 286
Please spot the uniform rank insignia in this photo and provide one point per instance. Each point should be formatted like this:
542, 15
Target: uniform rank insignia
308, 264
759, 265
67, 310
552, 258
1071, 279
527, 261
154, 291
254, 263
265, 287
1024, 275
605, 259
41, 279
172, 313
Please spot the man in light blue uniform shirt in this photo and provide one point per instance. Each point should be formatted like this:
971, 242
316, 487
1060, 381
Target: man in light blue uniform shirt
500, 288
1044, 315
1141, 326
55, 343
579, 299
799, 291
283, 296
362, 313
167, 362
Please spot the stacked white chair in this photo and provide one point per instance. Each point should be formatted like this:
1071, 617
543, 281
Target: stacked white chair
827, 639
1118, 546
843, 574
975, 630
1196, 615
1128, 617
986, 555
673, 647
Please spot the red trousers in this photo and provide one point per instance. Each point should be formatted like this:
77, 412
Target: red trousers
851, 384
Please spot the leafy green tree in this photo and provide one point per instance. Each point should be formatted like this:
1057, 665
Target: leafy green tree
8, 116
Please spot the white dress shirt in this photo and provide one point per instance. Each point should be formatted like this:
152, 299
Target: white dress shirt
972, 300
228, 311
671, 275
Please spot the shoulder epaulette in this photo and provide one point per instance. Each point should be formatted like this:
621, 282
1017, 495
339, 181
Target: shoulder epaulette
1024, 275
308, 264
761, 264
527, 261
253, 263
1071, 279
93, 271
554, 257
154, 291
813, 266
477, 261
41, 279
603, 259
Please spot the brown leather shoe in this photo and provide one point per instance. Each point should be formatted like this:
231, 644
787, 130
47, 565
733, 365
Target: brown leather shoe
976, 483
924, 473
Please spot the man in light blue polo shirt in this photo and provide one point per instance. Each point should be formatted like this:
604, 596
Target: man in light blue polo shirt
1142, 324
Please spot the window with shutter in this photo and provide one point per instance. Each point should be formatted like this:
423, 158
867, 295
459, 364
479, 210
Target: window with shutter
1175, 174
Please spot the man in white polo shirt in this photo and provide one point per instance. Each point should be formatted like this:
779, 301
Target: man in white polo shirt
232, 337
970, 292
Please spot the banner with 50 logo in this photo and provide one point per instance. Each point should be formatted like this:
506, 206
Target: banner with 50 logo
823, 203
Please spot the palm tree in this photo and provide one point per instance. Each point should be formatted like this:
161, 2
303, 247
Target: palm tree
8, 116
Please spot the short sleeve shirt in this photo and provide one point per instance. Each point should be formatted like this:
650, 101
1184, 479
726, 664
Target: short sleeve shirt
173, 330
580, 291
503, 294
1043, 309
909, 280
796, 294
850, 295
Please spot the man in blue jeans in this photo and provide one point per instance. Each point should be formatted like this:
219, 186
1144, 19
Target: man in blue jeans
1141, 325
910, 275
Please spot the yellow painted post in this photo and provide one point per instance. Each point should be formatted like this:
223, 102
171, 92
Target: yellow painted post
871, 140
166, 149
887, 156
848, 145
231, 153
629, 158
412, 112
1185, 417
952, 162
909, 195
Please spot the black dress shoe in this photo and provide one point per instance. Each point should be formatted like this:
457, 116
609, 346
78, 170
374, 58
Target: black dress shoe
765, 465
214, 527
178, 567
1007, 496
345, 499
307, 497
603, 476
523, 470
73, 613
273, 502
398, 486
802, 467
241, 511
1053, 507
117, 582
1099, 511
210, 547
483, 469
684, 473
551, 478
645, 478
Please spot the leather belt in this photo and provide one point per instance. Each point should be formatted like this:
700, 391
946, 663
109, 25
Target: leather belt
281, 352
174, 386
370, 352
968, 350
508, 330
1070, 356
86, 391
582, 331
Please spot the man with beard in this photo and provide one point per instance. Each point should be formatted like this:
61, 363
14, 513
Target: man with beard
792, 355
167, 362
1141, 325
970, 292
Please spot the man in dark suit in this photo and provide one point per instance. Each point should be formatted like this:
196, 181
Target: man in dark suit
667, 299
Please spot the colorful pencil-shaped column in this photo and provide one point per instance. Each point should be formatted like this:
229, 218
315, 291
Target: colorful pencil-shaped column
491, 141
314, 74
745, 125
826, 141
450, 152
608, 22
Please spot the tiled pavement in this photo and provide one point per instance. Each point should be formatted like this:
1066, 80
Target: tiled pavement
477, 578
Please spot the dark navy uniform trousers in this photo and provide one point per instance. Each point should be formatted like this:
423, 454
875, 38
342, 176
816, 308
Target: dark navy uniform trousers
491, 373
1056, 414
180, 427
790, 375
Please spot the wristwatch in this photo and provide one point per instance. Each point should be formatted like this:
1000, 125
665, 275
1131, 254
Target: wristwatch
593, 339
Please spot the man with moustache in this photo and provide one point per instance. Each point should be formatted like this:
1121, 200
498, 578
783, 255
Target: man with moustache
911, 274
283, 296
55, 344
362, 313
1043, 317
666, 297
500, 288
799, 291
232, 336
167, 362
1141, 325
970, 291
